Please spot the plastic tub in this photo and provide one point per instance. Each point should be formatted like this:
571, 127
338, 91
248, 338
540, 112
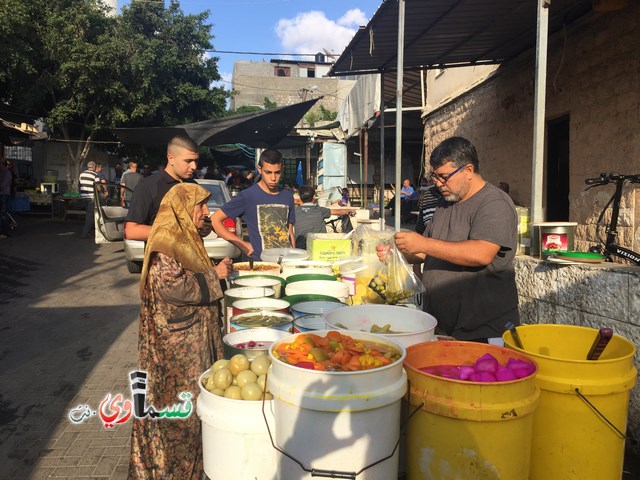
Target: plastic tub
231, 295
264, 268
332, 288
314, 307
264, 318
342, 421
293, 299
308, 323
463, 429
273, 254
235, 439
301, 277
259, 304
264, 337
571, 440
254, 281
417, 326
294, 267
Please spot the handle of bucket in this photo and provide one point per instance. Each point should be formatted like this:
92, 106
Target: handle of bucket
315, 472
599, 413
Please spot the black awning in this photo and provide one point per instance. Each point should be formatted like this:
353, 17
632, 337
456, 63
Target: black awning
258, 129
446, 33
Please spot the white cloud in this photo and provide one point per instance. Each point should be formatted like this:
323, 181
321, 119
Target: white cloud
311, 32
225, 82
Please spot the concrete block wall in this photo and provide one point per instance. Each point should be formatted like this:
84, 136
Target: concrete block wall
594, 77
586, 295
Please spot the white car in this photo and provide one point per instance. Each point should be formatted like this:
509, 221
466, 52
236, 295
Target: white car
216, 247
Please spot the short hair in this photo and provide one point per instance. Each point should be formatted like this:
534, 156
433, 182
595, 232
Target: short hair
182, 141
306, 193
270, 156
91, 164
456, 150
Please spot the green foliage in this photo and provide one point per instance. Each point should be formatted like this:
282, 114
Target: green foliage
268, 105
86, 72
320, 114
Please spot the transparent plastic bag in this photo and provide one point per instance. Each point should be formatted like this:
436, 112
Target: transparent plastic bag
395, 280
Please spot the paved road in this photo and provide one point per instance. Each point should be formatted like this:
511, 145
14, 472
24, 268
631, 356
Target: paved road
68, 323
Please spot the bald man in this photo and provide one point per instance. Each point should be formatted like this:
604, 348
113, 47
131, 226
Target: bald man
182, 161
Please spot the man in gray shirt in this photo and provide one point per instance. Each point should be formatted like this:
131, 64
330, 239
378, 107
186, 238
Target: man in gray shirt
310, 216
130, 179
467, 249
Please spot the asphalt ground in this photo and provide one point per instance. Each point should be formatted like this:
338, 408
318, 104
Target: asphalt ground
68, 337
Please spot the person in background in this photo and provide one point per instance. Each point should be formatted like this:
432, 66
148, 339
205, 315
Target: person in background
182, 160
130, 179
87, 180
310, 216
213, 173
179, 334
407, 190
146, 170
5, 194
427, 202
268, 211
119, 171
467, 249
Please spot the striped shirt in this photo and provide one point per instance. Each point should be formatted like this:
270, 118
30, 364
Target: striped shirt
87, 179
427, 206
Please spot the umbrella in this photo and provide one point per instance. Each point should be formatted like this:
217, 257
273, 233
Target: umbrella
258, 129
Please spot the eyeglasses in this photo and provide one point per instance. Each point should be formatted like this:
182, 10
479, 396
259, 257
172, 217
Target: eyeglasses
443, 179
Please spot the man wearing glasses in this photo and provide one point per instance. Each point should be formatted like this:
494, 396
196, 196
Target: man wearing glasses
467, 248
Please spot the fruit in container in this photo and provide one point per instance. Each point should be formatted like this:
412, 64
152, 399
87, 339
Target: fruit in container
248, 383
485, 369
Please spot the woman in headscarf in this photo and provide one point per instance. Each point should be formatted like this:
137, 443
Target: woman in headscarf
179, 337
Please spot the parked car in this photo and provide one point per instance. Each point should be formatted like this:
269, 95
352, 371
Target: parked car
216, 247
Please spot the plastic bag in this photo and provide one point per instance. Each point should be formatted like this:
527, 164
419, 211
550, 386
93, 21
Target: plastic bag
395, 280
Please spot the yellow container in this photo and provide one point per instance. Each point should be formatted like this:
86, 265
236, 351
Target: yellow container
467, 430
570, 439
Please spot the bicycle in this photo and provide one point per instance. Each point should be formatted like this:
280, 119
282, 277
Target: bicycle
607, 247
342, 223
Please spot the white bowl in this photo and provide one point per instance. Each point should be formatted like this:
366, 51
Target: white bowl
337, 290
416, 326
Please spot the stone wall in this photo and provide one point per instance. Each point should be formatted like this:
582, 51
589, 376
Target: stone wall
586, 295
594, 78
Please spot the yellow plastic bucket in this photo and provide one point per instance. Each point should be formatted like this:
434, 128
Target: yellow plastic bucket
462, 429
572, 436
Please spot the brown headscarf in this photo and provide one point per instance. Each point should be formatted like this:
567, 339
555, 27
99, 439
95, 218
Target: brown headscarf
174, 233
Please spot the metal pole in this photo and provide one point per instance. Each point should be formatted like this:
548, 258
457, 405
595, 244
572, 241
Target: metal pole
382, 179
537, 172
399, 90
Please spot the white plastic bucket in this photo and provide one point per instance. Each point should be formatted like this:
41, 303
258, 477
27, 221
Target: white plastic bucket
334, 289
235, 439
314, 307
273, 254
341, 421
259, 304
259, 282
295, 267
240, 293
416, 326
308, 323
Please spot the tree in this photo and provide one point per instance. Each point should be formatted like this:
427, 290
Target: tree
267, 105
319, 114
93, 72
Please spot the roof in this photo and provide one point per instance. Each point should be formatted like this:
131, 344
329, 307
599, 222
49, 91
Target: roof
10, 130
448, 33
258, 129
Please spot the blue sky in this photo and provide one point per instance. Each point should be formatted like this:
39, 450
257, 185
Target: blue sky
278, 26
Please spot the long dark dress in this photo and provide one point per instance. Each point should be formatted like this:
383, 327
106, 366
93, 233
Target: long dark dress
180, 337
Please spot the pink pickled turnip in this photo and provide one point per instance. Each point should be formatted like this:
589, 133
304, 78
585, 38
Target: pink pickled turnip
504, 374
466, 372
514, 364
486, 363
521, 372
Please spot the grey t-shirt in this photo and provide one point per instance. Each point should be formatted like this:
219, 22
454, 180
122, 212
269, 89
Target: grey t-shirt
474, 302
309, 219
130, 180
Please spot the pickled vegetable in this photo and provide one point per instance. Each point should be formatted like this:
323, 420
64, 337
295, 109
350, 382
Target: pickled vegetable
224, 383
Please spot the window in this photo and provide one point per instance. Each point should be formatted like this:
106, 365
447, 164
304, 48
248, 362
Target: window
311, 73
283, 71
18, 153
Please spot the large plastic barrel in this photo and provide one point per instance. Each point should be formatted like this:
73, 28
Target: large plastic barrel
463, 429
578, 428
338, 421
235, 439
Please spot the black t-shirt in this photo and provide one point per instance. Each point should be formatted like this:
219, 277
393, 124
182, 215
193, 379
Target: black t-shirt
146, 198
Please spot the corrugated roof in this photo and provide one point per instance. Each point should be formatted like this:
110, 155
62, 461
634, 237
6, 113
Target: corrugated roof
446, 33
